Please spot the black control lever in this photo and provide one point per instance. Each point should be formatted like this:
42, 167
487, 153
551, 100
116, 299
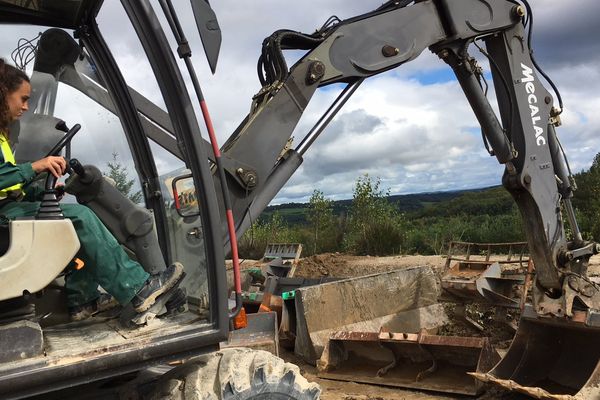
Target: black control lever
61, 126
77, 167
49, 208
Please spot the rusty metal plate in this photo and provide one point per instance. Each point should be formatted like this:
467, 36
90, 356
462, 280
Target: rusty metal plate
420, 361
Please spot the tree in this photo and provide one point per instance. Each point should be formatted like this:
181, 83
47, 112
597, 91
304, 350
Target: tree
118, 173
375, 225
596, 163
587, 200
270, 230
594, 205
367, 202
321, 219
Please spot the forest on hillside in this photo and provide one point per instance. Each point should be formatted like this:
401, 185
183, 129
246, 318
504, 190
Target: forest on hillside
375, 223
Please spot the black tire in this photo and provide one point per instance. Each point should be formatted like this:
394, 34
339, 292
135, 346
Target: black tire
236, 374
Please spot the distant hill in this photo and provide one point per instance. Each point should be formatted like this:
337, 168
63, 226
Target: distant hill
473, 201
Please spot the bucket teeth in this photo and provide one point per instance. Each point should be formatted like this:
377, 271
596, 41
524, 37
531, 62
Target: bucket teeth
550, 358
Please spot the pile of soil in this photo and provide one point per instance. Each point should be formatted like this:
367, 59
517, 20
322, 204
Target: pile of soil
497, 324
340, 265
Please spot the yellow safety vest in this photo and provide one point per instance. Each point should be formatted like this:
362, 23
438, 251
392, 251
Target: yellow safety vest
14, 191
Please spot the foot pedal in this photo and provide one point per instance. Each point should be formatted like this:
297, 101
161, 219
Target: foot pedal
176, 304
131, 319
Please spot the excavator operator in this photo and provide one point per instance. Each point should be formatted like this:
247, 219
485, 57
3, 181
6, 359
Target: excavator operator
106, 263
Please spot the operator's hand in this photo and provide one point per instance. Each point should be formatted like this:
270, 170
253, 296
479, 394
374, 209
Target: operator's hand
54, 165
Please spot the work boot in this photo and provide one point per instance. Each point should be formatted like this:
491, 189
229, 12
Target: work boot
104, 302
155, 286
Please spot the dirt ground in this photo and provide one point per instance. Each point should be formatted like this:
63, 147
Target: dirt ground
342, 265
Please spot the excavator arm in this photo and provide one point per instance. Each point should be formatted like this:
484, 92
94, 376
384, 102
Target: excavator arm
560, 328
348, 51
523, 138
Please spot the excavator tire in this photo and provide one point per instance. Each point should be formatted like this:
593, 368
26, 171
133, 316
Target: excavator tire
236, 374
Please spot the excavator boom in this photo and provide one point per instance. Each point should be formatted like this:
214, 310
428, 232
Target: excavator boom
523, 138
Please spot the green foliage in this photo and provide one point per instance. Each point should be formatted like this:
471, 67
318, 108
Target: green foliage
378, 224
431, 235
118, 173
322, 223
587, 200
375, 226
291, 213
495, 201
270, 230
297, 213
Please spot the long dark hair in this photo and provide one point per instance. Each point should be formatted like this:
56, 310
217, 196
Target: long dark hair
11, 79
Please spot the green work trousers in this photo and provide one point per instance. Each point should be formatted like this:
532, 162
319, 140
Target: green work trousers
106, 263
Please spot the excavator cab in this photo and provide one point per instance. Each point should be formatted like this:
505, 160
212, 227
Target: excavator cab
136, 120
142, 145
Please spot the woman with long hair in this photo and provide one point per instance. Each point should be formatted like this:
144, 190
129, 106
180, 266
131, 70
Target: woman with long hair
106, 263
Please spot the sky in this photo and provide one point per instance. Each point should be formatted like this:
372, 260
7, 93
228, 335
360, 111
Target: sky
410, 127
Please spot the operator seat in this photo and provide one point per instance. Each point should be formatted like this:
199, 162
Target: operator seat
32, 260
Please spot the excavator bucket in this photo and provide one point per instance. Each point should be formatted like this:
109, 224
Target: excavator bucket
487, 285
551, 360
485, 272
420, 361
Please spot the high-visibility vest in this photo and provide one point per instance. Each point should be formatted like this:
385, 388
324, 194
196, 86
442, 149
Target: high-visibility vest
13, 191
